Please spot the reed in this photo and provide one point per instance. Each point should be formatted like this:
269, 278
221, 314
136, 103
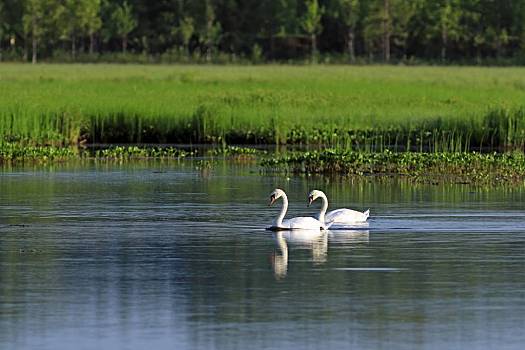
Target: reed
373, 108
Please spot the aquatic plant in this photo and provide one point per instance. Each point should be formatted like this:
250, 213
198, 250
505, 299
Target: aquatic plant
12, 152
129, 152
461, 167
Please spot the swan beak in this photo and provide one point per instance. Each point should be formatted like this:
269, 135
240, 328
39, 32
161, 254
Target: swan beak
310, 200
272, 200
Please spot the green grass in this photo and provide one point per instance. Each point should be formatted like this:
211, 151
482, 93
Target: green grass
353, 107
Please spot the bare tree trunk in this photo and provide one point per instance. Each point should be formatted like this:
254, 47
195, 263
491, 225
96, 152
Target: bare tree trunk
124, 43
91, 43
386, 31
208, 51
350, 44
34, 58
272, 46
499, 46
25, 54
444, 43
314, 46
73, 47
209, 27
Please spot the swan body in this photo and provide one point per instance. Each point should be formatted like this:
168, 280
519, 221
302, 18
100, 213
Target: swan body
337, 216
346, 215
297, 223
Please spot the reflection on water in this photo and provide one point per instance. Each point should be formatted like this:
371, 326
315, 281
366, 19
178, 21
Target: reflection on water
349, 238
280, 257
314, 241
155, 255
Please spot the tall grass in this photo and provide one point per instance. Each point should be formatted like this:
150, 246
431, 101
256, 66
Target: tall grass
361, 108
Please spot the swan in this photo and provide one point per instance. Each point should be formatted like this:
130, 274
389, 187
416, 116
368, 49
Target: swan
338, 216
302, 222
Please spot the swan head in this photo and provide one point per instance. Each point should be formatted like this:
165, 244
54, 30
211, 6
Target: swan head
312, 196
277, 193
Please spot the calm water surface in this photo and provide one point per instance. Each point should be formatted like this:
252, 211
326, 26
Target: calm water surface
163, 256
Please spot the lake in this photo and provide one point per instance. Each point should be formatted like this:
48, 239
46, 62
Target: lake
162, 255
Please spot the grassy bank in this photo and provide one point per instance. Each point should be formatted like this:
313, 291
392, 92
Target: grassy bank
361, 108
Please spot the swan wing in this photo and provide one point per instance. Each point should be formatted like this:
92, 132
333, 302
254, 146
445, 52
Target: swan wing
346, 216
303, 223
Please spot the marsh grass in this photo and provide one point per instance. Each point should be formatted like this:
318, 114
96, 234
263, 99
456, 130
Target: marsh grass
16, 152
373, 108
471, 167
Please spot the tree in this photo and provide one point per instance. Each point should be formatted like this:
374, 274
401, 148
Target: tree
386, 24
2, 27
38, 18
449, 24
311, 23
402, 14
279, 20
185, 31
70, 22
348, 12
124, 23
92, 21
212, 30
426, 29
377, 29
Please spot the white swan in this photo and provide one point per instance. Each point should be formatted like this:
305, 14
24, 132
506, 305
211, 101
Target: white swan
302, 222
338, 216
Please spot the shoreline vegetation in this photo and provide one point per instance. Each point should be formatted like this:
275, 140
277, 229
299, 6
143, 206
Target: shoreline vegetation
434, 168
366, 108
466, 123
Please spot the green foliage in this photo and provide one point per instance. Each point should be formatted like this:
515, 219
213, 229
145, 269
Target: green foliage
408, 30
135, 152
311, 21
41, 17
185, 31
427, 167
124, 22
12, 152
432, 109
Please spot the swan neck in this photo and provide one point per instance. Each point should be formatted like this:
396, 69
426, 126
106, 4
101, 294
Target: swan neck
283, 247
324, 208
284, 208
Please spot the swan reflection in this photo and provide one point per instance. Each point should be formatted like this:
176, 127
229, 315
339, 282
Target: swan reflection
355, 226
349, 237
317, 241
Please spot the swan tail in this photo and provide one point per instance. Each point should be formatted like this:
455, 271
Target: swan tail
367, 213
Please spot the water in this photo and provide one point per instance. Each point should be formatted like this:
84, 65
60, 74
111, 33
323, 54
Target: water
161, 255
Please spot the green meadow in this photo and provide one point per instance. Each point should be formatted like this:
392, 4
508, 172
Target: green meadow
370, 108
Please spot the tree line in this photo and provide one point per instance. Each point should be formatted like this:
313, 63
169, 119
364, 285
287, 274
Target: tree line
266, 30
